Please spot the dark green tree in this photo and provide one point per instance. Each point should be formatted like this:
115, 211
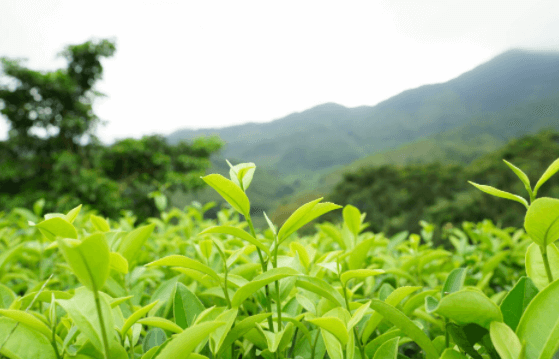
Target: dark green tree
52, 151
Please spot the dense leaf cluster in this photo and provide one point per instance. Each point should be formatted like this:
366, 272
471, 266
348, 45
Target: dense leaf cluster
396, 198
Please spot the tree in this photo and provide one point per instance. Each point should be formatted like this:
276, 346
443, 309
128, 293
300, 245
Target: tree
52, 151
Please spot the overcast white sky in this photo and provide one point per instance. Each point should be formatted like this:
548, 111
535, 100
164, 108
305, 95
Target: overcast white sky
200, 64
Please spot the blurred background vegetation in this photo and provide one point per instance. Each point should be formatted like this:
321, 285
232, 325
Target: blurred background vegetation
404, 160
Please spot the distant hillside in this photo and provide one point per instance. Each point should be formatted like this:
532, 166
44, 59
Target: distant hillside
331, 135
305, 154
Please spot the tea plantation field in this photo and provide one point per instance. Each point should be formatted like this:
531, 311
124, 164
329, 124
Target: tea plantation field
76, 285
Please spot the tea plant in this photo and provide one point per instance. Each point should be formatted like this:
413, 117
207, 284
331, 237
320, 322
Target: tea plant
75, 285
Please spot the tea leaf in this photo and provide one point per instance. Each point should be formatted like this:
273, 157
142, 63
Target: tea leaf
352, 218
23, 342
71, 216
333, 325
469, 306
505, 341
304, 215
230, 192
550, 171
542, 221
498, 193
184, 262
454, 281
186, 306
239, 233
535, 267
160, 323
320, 287
83, 312
134, 317
100, 223
133, 241
184, 343
388, 350
89, 259
27, 319
539, 325
57, 227
260, 281
516, 301
359, 273
118, 262
521, 175
398, 319
217, 337
452, 354
242, 328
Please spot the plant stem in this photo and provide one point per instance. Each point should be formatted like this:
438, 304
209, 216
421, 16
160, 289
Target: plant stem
446, 334
359, 344
546, 264
278, 300
264, 269
101, 323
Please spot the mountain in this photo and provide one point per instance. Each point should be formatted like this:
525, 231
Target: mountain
330, 135
513, 94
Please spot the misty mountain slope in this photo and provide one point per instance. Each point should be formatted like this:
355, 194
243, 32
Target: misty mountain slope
330, 135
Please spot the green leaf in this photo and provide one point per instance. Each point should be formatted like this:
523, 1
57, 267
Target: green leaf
401, 321
260, 281
542, 221
242, 174
236, 232
118, 262
469, 306
183, 344
304, 215
550, 171
352, 219
521, 175
57, 227
28, 320
99, 223
393, 299
333, 345
516, 301
359, 274
176, 260
320, 287
535, 267
498, 193
374, 344
217, 337
159, 322
333, 325
83, 312
89, 259
134, 317
388, 350
505, 341
464, 341
358, 315
454, 281
452, 354
154, 338
186, 306
73, 214
270, 224
539, 325
416, 301
133, 241
23, 342
232, 193
240, 329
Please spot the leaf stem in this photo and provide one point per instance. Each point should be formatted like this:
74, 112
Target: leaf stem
359, 344
101, 323
546, 264
264, 269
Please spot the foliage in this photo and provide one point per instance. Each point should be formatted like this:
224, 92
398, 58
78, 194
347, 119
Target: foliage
187, 287
52, 151
398, 197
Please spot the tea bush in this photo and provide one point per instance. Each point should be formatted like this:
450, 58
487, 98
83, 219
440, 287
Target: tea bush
75, 285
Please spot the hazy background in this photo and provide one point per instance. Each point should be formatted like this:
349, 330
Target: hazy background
216, 63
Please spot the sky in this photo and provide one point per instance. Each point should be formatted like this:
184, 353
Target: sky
209, 64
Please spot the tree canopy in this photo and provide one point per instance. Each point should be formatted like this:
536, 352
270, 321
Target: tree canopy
52, 151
